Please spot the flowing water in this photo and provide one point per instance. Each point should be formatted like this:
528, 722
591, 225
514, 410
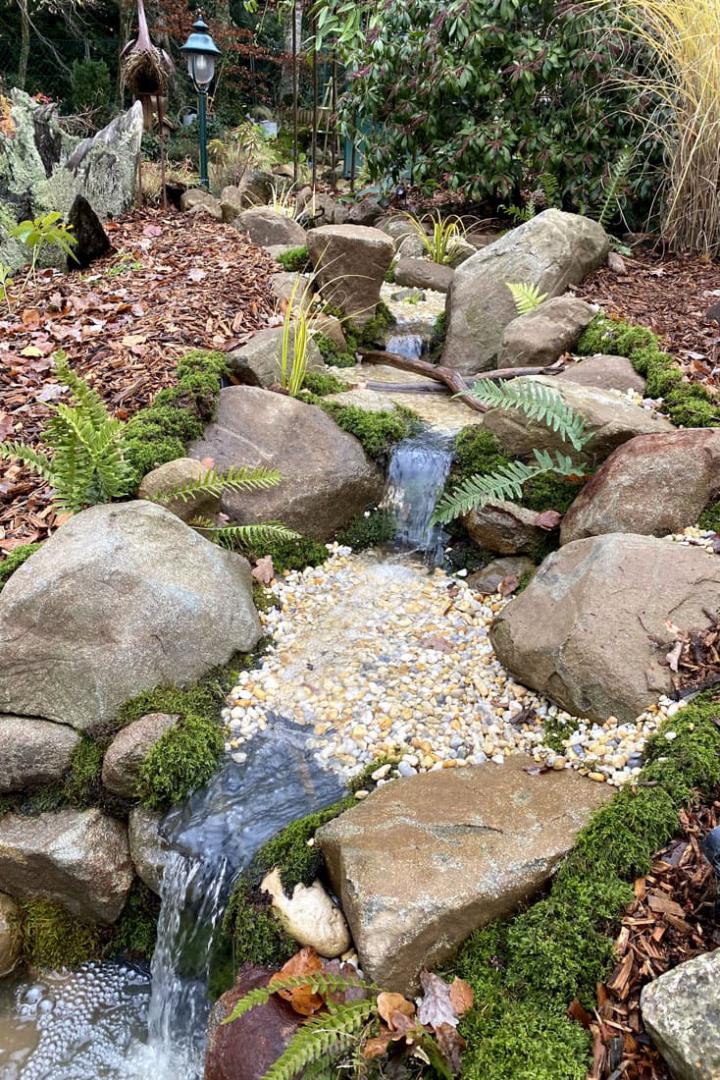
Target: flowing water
419, 467
112, 1021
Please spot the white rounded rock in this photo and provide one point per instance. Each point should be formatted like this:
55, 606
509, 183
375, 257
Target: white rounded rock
309, 916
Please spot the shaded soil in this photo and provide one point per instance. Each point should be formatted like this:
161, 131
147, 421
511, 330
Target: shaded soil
673, 918
174, 282
672, 296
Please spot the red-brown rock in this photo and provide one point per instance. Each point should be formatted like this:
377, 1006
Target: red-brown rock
245, 1049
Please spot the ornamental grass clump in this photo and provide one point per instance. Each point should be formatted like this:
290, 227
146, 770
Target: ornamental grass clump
682, 40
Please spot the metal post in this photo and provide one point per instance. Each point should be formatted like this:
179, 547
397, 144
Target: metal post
202, 126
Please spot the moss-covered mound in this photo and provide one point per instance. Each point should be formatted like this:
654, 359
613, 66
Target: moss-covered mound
527, 970
376, 431
687, 404
296, 260
178, 414
14, 560
368, 530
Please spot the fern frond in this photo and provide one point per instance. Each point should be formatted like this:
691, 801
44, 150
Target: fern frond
321, 1037
538, 402
237, 478
37, 461
505, 484
526, 297
323, 983
245, 536
88, 399
614, 187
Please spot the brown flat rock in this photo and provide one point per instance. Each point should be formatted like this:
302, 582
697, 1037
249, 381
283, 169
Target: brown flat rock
424, 861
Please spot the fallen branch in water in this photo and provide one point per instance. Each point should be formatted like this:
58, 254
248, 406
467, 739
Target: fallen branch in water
449, 377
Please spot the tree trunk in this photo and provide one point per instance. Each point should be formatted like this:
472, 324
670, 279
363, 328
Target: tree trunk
24, 43
292, 31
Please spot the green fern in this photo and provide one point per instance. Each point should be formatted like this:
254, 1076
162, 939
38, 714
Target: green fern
505, 484
236, 478
526, 297
613, 189
324, 983
321, 1038
244, 536
88, 464
538, 402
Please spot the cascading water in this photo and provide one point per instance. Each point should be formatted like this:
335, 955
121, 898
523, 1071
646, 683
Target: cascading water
113, 1021
410, 345
419, 467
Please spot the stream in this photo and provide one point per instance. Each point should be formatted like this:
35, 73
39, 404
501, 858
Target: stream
116, 1021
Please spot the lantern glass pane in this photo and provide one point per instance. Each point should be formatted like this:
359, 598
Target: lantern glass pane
203, 68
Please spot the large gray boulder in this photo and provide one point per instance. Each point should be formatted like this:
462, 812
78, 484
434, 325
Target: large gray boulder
505, 527
587, 631
424, 274
327, 480
543, 335
33, 752
128, 750
266, 226
199, 198
553, 250
423, 862
610, 420
258, 362
653, 484
79, 858
680, 1011
350, 263
121, 599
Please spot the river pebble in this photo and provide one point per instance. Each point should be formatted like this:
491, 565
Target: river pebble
378, 657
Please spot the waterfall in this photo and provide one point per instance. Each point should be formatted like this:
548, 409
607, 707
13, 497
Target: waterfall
410, 345
419, 467
193, 896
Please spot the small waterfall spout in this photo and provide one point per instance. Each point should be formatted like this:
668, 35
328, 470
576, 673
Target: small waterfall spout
410, 345
193, 898
418, 470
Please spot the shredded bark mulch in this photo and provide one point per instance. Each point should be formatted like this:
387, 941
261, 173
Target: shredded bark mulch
674, 297
673, 918
174, 281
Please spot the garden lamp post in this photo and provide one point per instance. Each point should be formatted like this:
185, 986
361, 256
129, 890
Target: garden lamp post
201, 51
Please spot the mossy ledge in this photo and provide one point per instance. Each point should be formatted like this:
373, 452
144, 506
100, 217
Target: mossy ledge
687, 404
527, 970
377, 432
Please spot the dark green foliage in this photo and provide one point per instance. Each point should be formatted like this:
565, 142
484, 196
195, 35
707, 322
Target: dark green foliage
374, 331
299, 862
133, 935
322, 383
477, 452
293, 554
376, 431
365, 531
296, 260
332, 354
687, 404
15, 559
91, 90
533, 965
551, 492
709, 519
255, 935
508, 101
52, 938
178, 415
182, 760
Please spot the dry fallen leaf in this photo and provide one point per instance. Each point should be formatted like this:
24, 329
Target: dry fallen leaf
375, 1048
461, 996
451, 1045
436, 1007
389, 1003
263, 570
301, 998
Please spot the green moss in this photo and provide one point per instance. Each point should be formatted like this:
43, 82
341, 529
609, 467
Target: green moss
52, 938
710, 517
390, 274
332, 354
14, 560
321, 383
178, 415
263, 598
377, 432
369, 530
293, 554
296, 260
529, 968
437, 339
181, 761
686, 404
477, 453
83, 786
134, 934
551, 492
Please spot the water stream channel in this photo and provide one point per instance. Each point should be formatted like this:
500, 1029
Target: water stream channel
117, 1021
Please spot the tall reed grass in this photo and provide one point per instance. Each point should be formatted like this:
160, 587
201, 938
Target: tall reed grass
681, 39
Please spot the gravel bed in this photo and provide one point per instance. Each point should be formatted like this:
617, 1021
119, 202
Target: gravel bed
379, 657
